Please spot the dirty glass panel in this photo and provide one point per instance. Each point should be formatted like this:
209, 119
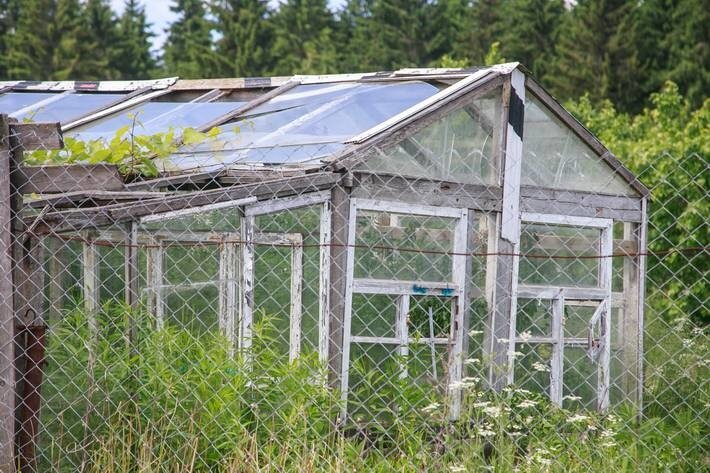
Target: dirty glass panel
374, 379
155, 117
427, 313
403, 247
13, 102
374, 315
579, 380
554, 157
427, 366
534, 317
69, 107
556, 255
532, 367
458, 147
308, 116
576, 320
273, 272
194, 309
272, 296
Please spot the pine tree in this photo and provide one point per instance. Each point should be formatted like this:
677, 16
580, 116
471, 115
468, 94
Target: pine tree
133, 57
594, 54
100, 32
244, 46
188, 48
481, 26
9, 11
49, 42
304, 38
530, 31
673, 44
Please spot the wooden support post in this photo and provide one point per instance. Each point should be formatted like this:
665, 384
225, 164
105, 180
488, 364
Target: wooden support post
324, 284
340, 216
296, 310
7, 315
502, 313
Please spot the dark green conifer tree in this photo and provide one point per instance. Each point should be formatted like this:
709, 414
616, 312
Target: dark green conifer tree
304, 38
133, 58
245, 37
188, 49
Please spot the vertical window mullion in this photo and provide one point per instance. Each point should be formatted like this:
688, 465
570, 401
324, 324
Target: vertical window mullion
402, 331
557, 360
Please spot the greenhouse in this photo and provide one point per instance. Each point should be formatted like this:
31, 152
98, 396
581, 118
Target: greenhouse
424, 228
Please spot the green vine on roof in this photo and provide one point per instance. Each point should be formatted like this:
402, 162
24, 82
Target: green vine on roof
135, 155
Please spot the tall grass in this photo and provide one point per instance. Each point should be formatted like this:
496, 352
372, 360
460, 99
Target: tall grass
168, 401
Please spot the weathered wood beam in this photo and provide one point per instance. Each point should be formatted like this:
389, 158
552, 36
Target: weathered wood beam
77, 219
69, 178
34, 136
7, 313
93, 198
427, 191
197, 179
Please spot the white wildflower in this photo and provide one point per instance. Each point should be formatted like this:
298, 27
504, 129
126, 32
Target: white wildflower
514, 353
456, 385
485, 431
577, 418
481, 404
470, 380
431, 407
472, 361
572, 398
522, 391
527, 403
537, 366
457, 468
473, 333
525, 336
503, 340
492, 411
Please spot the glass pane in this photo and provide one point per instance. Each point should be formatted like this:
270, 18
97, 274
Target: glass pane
427, 312
579, 380
534, 317
206, 224
532, 367
185, 265
14, 101
272, 296
155, 117
555, 255
427, 365
273, 271
69, 107
317, 118
459, 147
403, 247
576, 320
374, 381
193, 308
374, 315
554, 157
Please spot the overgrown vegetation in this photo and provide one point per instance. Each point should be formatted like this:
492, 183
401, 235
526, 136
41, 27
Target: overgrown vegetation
135, 155
171, 401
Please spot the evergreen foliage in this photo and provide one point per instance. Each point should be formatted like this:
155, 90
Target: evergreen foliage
619, 50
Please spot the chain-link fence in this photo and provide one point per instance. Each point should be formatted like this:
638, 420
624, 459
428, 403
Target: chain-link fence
368, 320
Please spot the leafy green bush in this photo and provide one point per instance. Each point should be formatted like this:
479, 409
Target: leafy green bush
130, 398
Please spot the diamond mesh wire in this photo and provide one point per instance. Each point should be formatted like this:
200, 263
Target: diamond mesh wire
288, 323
